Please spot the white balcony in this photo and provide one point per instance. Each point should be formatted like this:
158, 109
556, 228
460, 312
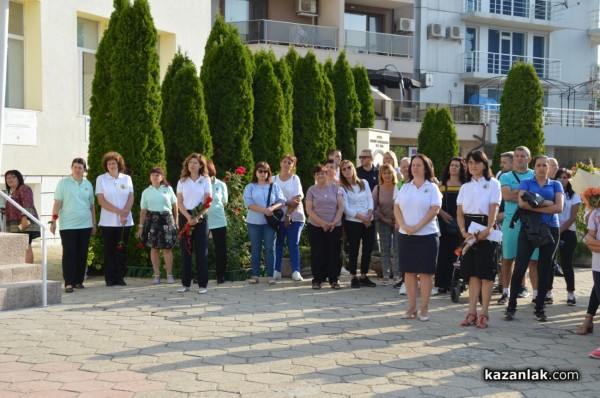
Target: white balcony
264, 31
483, 65
543, 14
555, 117
594, 30
379, 43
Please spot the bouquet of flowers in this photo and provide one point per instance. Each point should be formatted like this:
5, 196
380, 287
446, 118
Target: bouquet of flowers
198, 212
586, 182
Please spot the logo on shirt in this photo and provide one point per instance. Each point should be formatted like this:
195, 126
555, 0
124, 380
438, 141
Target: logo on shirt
122, 186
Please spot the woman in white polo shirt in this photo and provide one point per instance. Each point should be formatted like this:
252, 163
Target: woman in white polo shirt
478, 201
114, 191
193, 190
415, 210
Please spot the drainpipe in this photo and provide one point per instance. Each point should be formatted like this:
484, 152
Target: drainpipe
482, 139
3, 59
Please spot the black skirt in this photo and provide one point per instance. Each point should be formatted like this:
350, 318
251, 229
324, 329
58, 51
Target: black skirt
481, 259
418, 253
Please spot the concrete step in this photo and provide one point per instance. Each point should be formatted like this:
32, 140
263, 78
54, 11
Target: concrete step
27, 294
11, 273
12, 248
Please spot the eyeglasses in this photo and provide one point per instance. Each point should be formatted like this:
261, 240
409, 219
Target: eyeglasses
347, 168
262, 171
364, 157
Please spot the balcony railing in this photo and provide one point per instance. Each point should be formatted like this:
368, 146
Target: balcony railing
555, 117
595, 20
410, 111
286, 33
500, 64
541, 10
379, 43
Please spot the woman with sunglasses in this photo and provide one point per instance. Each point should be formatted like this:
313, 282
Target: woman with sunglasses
261, 204
358, 206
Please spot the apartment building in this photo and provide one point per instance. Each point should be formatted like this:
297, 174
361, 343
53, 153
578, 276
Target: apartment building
448, 53
51, 63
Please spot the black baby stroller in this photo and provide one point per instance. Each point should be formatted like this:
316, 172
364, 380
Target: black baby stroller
457, 284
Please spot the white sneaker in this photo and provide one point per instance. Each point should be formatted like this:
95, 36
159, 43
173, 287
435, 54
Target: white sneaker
170, 279
183, 289
295, 276
277, 275
434, 291
344, 271
202, 290
403, 290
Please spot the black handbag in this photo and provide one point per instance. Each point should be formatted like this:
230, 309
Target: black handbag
274, 219
543, 238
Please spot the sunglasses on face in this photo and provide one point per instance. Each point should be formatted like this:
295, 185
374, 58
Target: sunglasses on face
364, 157
261, 171
347, 168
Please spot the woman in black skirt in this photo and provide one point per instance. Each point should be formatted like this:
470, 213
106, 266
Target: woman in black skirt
478, 202
416, 207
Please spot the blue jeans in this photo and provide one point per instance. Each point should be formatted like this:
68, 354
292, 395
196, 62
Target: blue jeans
291, 236
259, 233
388, 236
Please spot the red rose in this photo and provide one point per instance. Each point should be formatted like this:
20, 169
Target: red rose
236, 211
240, 171
458, 251
208, 200
139, 245
120, 247
227, 179
55, 216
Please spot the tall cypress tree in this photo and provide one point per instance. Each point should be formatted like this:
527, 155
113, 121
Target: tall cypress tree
347, 107
328, 133
437, 138
363, 91
136, 104
520, 112
101, 122
183, 120
270, 141
282, 71
309, 115
292, 57
226, 75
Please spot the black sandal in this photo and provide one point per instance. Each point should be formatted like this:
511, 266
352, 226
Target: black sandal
316, 286
68, 289
335, 286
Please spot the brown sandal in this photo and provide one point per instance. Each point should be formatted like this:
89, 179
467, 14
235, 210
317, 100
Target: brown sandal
482, 322
470, 320
588, 325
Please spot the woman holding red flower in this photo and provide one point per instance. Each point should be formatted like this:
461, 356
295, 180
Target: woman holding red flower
194, 194
114, 191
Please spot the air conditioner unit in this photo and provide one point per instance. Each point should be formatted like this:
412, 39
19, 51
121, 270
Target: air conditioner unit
454, 33
435, 31
306, 7
405, 25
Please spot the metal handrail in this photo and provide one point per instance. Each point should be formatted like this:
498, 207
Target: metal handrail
44, 249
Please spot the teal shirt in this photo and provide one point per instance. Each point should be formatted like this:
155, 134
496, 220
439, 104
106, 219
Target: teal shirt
508, 179
77, 201
216, 211
160, 200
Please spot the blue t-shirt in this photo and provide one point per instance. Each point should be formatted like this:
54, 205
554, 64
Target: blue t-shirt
547, 191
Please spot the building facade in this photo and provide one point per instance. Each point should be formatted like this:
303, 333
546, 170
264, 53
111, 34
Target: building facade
51, 64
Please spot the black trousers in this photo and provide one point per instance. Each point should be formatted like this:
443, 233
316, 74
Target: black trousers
75, 244
566, 250
115, 260
544, 268
199, 245
219, 236
324, 253
357, 232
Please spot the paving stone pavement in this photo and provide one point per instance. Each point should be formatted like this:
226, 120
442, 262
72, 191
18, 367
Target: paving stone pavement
286, 340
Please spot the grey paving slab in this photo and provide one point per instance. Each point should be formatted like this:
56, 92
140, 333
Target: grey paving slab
284, 341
